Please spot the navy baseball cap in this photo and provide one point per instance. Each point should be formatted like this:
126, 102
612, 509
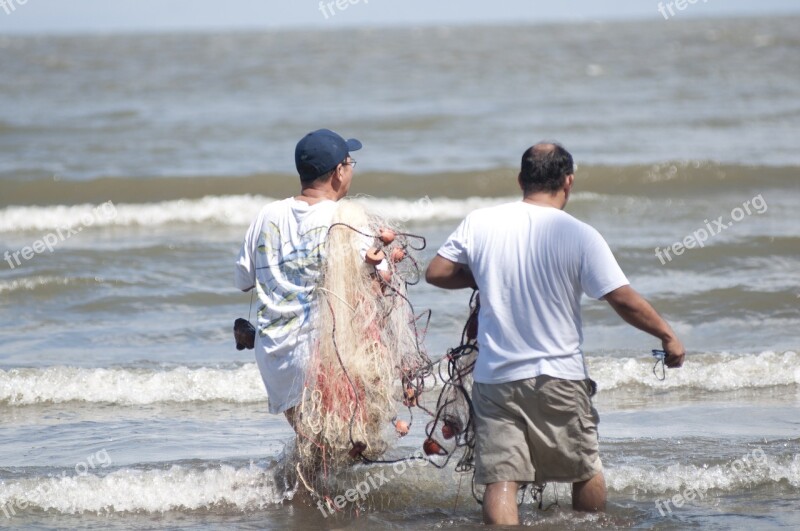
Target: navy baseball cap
321, 151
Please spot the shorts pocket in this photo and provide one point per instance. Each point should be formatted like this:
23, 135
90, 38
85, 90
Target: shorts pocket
589, 436
561, 396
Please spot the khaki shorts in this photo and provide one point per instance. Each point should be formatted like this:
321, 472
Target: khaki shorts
534, 431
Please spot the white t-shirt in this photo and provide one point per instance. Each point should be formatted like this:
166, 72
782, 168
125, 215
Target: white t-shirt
532, 264
282, 256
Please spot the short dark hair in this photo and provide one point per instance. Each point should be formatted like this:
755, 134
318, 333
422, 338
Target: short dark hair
325, 177
545, 167
322, 178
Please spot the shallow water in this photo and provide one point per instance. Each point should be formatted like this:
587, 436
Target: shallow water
123, 403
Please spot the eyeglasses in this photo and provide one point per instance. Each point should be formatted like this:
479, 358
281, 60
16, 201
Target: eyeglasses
351, 162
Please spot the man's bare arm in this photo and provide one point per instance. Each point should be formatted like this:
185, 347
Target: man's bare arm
445, 274
636, 311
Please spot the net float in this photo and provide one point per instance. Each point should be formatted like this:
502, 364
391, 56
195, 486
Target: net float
401, 427
374, 256
398, 254
451, 427
387, 236
357, 449
431, 447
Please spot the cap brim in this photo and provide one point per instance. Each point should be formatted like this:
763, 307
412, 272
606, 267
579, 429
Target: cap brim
353, 145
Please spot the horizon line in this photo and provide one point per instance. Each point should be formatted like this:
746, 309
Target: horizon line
553, 21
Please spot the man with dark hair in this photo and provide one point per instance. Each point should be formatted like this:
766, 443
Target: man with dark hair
545, 168
282, 257
532, 262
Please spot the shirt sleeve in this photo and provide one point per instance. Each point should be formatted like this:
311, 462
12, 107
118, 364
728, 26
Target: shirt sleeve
456, 248
600, 272
245, 274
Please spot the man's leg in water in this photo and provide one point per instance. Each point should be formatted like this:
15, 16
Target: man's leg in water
500, 503
590, 495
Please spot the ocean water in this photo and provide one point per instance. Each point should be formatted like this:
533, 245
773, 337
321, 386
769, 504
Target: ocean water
137, 164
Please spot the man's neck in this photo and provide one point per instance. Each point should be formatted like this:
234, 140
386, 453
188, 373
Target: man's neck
313, 196
546, 200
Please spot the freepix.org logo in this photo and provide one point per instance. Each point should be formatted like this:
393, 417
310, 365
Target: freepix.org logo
9, 6
329, 9
668, 9
34, 497
716, 226
105, 212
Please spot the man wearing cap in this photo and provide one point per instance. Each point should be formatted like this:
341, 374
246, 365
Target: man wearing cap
534, 420
282, 257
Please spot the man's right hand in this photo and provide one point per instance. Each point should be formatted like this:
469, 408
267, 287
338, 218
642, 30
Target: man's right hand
635, 310
674, 352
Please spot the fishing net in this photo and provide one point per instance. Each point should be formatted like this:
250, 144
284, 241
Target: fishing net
452, 427
369, 373
369, 343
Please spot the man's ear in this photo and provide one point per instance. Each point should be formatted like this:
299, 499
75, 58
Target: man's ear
336, 178
519, 182
568, 182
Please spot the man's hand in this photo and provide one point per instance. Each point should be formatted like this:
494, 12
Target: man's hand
674, 352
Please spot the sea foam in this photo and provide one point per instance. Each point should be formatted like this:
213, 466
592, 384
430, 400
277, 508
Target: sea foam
235, 210
219, 487
137, 386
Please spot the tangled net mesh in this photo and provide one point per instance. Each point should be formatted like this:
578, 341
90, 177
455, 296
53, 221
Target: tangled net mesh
368, 341
369, 363
452, 427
